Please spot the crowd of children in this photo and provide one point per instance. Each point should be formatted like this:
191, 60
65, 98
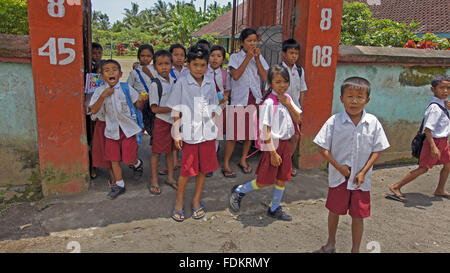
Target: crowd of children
191, 103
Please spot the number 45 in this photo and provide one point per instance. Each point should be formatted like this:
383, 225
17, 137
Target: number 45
51, 53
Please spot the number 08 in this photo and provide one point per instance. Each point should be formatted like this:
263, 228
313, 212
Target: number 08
56, 8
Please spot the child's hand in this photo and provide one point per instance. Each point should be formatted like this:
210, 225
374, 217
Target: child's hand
143, 96
359, 179
275, 159
256, 52
147, 71
283, 99
344, 170
224, 100
108, 92
435, 153
250, 53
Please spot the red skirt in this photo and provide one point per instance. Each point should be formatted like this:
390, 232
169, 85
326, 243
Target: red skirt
268, 174
98, 146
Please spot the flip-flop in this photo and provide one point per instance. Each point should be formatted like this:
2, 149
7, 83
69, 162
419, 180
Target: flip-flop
333, 250
165, 171
202, 207
245, 170
150, 187
173, 185
442, 195
179, 214
396, 197
228, 174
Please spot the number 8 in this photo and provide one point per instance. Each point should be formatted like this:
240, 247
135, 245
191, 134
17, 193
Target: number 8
325, 24
59, 4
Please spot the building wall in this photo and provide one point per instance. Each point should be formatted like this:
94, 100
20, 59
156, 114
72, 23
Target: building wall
19, 157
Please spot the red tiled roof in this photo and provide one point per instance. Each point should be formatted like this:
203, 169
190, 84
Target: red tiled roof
222, 25
434, 15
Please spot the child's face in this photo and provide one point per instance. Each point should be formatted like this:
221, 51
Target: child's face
198, 68
163, 65
146, 57
250, 43
291, 56
97, 54
279, 84
111, 74
441, 90
354, 100
178, 56
216, 59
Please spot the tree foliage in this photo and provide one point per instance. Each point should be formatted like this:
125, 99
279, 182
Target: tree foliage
14, 17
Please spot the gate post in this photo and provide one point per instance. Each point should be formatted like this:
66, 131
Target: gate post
56, 37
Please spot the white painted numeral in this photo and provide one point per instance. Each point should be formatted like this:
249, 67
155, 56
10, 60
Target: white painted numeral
51, 53
322, 56
74, 246
56, 8
325, 23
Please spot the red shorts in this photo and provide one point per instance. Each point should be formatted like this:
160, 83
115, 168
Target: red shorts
356, 202
427, 161
122, 150
98, 146
268, 174
162, 137
242, 130
199, 157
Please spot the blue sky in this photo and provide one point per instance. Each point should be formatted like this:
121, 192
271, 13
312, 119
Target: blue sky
114, 8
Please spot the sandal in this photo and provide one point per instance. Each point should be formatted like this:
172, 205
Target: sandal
165, 171
245, 170
154, 192
323, 250
173, 185
294, 172
180, 214
228, 174
199, 216
139, 170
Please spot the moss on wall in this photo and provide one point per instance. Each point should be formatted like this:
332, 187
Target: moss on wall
419, 75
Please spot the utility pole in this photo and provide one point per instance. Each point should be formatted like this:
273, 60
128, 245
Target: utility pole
204, 8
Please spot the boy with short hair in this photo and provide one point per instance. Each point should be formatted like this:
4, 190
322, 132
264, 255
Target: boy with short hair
97, 54
351, 141
297, 89
162, 142
435, 149
194, 96
121, 129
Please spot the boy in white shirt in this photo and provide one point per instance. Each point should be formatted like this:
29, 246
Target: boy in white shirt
194, 96
351, 141
121, 129
435, 149
162, 142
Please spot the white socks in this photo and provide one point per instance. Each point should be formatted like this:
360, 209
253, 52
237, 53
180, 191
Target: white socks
120, 183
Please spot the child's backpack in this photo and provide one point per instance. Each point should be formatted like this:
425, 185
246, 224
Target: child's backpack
259, 142
417, 142
135, 112
147, 113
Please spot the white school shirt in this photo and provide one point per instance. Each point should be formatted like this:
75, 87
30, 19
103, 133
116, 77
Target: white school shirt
436, 120
249, 80
196, 103
135, 82
280, 122
219, 78
100, 115
153, 97
351, 145
183, 73
117, 112
297, 84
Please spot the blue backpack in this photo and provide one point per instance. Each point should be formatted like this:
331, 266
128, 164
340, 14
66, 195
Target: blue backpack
136, 114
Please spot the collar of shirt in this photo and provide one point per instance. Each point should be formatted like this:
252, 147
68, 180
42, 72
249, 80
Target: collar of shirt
345, 118
191, 80
164, 80
439, 101
294, 67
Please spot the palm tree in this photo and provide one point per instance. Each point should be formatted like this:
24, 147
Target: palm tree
131, 16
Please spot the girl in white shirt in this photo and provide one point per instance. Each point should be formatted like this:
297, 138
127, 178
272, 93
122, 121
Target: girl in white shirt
247, 69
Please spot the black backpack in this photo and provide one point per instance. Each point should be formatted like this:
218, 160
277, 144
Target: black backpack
417, 142
147, 113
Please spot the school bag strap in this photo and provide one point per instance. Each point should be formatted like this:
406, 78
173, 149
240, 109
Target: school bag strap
160, 90
136, 114
142, 80
224, 79
300, 71
172, 73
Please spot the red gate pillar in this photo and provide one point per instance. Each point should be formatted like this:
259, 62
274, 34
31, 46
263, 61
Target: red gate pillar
56, 36
317, 28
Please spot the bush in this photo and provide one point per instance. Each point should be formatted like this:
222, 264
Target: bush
14, 17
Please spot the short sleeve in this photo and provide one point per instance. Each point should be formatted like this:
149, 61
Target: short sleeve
431, 117
131, 78
325, 135
303, 86
380, 142
266, 113
228, 81
175, 98
295, 106
153, 96
263, 62
97, 93
134, 95
213, 98
234, 61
